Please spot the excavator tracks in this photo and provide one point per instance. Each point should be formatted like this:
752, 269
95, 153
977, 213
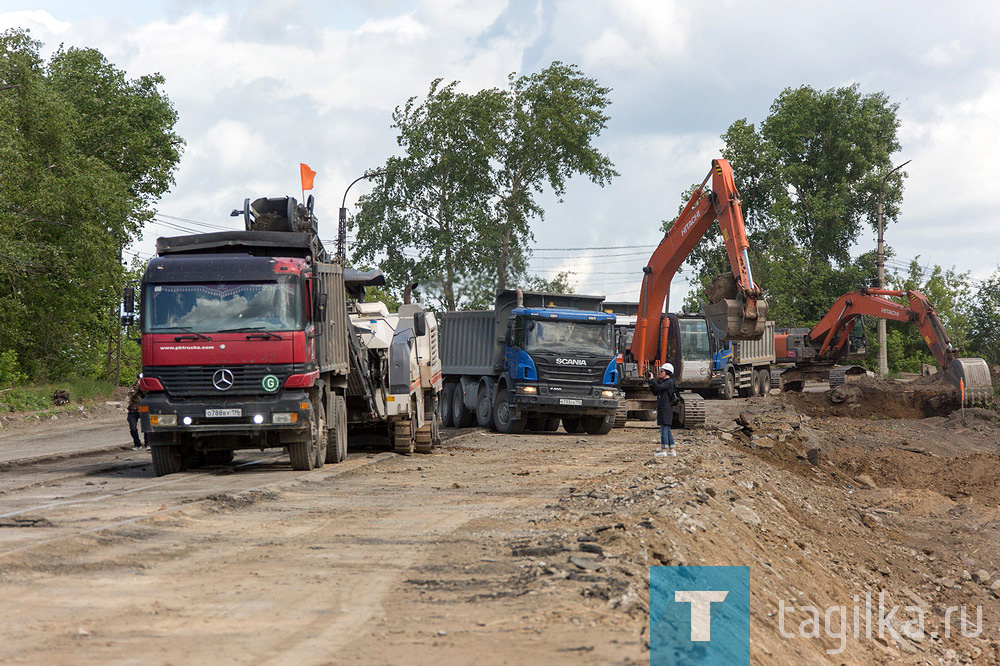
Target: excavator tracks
403, 439
692, 410
424, 440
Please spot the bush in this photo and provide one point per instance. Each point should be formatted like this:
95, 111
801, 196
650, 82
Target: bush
10, 371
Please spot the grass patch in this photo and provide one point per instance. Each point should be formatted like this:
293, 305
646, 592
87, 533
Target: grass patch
38, 398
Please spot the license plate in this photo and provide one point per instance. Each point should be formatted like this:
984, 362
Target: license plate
570, 401
223, 413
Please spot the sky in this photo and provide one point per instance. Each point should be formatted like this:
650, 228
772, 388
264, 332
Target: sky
262, 85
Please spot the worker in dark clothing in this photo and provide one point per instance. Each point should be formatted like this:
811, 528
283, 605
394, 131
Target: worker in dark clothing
665, 390
135, 395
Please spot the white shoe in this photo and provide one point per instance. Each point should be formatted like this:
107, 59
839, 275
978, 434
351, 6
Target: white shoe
662, 453
672, 453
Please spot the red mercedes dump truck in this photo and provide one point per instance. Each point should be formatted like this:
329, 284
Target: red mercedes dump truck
245, 343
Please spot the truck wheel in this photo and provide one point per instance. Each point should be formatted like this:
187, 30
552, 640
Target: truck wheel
320, 436
551, 424
765, 381
647, 415
599, 425
461, 417
336, 442
447, 397
503, 415
572, 425
729, 386
302, 455
755, 383
535, 424
166, 459
484, 408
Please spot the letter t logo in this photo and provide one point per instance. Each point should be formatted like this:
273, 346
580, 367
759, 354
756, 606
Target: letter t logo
701, 610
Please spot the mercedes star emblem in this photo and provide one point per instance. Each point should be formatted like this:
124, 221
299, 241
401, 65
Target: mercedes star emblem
222, 379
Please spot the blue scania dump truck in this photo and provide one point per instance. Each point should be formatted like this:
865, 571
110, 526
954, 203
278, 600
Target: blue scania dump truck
535, 360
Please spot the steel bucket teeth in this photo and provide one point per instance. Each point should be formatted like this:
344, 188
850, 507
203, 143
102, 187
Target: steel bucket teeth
974, 373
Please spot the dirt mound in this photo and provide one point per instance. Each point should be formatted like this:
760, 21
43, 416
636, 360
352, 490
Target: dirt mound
880, 398
972, 417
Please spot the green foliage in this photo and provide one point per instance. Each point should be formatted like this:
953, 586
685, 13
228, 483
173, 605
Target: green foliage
454, 212
984, 320
10, 371
84, 152
810, 180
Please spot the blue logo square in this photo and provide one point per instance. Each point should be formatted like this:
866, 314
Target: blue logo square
699, 615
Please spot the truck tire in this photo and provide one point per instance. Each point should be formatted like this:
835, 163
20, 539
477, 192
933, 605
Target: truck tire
320, 435
336, 443
166, 459
599, 425
447, 396
551, 424
572, 424
503, 415
755, 388
461, 417
728, 390
647, 415
303, 455
484, 408
765, 381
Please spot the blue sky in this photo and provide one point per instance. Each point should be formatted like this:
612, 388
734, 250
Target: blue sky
261, 85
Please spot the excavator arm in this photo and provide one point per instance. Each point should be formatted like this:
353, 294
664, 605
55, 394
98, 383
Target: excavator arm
829, 337
834, 328
741, 313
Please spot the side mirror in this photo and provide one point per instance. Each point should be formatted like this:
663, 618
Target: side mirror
420, 324
128, 307
319, 307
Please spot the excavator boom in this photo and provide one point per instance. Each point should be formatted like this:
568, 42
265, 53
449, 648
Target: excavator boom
736, 307
830, 336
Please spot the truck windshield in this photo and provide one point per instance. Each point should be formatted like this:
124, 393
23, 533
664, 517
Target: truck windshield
694, 340
568, 337
218, 306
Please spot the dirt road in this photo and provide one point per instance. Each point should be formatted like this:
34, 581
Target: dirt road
504, 549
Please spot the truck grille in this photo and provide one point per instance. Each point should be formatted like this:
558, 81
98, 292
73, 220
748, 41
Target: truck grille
198, 380
578, 375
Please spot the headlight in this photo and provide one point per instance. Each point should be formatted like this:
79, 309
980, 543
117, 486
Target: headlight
284, 417
163, 419
607, 394
529, 389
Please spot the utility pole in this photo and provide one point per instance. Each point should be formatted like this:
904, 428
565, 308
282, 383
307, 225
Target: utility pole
883, 359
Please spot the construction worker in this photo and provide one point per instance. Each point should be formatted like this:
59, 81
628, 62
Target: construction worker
665, 390
135, 395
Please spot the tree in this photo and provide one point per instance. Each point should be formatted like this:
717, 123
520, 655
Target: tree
984, 320
72, 195
454, 211
423, 220
949, 292
810, 180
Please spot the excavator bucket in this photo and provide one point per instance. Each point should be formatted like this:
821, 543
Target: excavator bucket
974, 375
729, 316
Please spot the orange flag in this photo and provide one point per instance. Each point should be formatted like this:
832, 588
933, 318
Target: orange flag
307, 176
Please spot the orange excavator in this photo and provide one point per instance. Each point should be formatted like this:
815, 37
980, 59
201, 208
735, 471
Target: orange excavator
815, 353
735, 306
